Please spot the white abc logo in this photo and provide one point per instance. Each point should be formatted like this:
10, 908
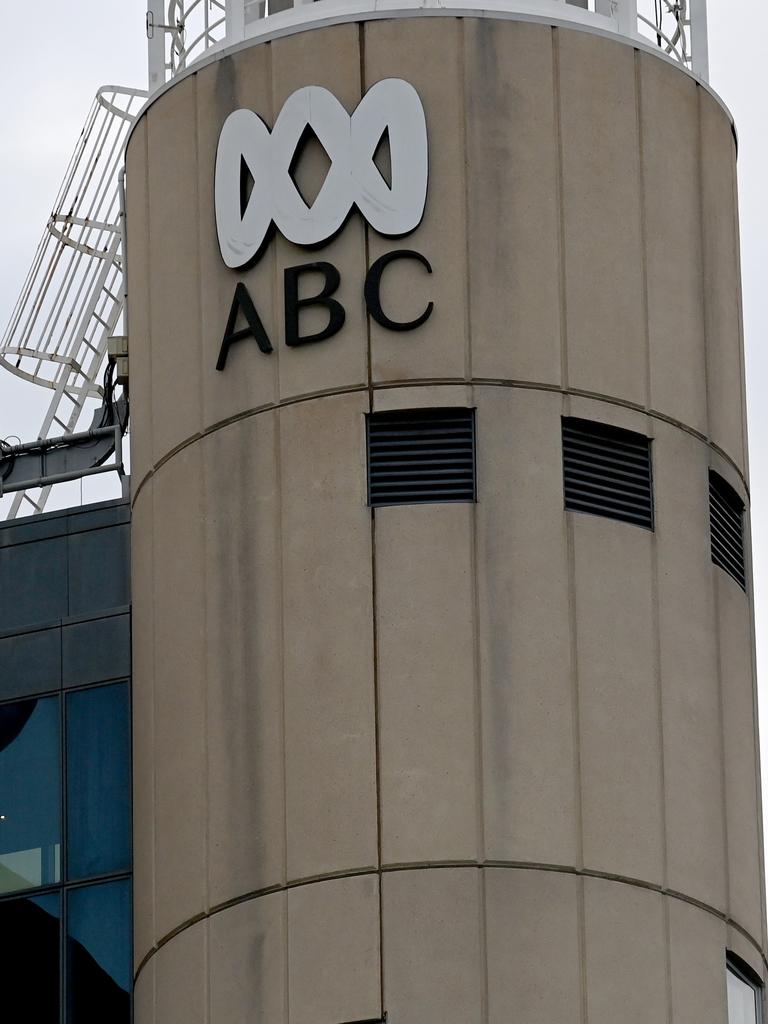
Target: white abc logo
353, 179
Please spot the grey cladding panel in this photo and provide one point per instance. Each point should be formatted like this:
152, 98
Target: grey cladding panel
99, 570
33, 583
30, 663
96, 518
96, 650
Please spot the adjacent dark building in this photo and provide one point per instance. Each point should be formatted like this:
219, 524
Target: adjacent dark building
65, 752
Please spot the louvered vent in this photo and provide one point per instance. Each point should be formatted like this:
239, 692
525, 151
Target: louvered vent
419, 456
607, 471
726, 528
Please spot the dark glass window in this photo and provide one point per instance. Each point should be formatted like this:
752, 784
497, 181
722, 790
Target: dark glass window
98, 954
29, 965
30, 794
98, 781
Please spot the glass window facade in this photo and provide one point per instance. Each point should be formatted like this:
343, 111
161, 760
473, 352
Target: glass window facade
98, 752
744, 997
65, 748
98, 954
30, 794
29, 971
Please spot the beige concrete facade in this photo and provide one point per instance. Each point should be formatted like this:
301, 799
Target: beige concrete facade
460, 763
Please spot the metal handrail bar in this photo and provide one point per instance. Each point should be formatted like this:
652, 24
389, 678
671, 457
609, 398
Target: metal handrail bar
671, 48
96, 203
243, 18
40, 252
49, 480
66, 283
206, 34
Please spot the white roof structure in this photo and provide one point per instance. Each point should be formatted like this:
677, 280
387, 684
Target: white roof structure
182, 31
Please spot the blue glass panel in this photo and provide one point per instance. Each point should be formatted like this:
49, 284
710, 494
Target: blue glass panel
29, 965
99, 954
30, 794
98, 781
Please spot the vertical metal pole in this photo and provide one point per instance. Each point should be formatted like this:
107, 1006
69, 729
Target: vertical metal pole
235, 13
626, 17
155, 45
699, 39
123, 247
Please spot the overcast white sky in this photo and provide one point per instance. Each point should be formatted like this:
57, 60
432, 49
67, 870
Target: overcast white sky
51, 68
53, 64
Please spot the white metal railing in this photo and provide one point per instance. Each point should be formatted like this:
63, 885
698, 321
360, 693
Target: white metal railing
181, 31
72, 299
678, 28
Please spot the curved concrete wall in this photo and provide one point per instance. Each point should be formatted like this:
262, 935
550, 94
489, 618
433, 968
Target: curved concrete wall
456, 762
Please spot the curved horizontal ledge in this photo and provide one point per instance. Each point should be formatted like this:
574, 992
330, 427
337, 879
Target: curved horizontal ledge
443, 865
440, 382
309, 17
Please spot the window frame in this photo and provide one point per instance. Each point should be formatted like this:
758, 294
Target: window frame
741, 970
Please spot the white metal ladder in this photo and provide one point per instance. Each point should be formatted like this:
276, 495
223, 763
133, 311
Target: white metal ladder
72, 299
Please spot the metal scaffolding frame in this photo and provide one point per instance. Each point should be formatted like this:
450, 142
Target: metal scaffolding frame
72, 299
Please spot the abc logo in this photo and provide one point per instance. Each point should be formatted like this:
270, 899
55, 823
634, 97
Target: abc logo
353, 180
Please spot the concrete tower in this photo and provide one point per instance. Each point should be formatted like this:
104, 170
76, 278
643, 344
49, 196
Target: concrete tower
455, 762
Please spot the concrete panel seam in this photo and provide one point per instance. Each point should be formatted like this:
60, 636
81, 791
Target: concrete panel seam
377, 724
461, 102
153, 708
564, 379
374, 592
668, 957
443, 382
700, 191
281, 612
203, 567
573, 650
565, 869
723, 761
643, 226
657, 667
582, 935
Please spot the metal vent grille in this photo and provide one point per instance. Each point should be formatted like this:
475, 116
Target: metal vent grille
726, 528
607, 471
420, 456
